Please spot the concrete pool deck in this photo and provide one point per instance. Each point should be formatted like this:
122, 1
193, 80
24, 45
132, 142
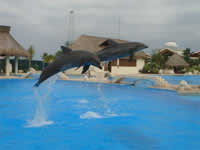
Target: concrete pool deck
10, 77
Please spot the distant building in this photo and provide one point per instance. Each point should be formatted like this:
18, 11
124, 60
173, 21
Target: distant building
170, 52
195, 55
121, 66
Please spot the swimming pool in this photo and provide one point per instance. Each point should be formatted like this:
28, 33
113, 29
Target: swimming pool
190, 79
92, 116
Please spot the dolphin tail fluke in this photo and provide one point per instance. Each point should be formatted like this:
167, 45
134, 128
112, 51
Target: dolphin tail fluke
85, 68
37, 84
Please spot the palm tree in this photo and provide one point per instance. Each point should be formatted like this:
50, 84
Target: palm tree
58, 53
44, 55
47, 58
187, 54
32, 53
50, 58
159, 59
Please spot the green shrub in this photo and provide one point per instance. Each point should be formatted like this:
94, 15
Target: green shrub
151, 68
193, 68
36, 67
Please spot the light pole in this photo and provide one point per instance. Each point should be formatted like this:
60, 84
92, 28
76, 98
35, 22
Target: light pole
71, 26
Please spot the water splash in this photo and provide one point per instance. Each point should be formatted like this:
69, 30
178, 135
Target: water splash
41, 117
90, 115
104, 100
83, 101
95, 115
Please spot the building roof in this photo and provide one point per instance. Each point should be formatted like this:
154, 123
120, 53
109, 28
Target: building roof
8, 45
176, 61
196, 54
171, 51
93, 44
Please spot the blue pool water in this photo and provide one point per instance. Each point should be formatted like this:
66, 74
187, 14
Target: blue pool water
91, 116
191, 79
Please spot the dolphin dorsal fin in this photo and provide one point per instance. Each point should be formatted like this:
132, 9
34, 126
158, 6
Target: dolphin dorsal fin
66, 50
108, 42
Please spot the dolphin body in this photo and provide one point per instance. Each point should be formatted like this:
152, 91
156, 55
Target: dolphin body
116, 50
69, 59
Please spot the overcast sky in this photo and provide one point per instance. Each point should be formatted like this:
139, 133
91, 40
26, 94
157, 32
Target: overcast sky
44, 23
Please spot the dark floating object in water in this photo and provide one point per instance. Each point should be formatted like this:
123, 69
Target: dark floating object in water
116, 50
69, 59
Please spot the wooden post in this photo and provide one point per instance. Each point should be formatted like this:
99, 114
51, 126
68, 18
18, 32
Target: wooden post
16, 64
7, 67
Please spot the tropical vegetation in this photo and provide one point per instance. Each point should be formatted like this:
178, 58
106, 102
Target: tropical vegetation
157, 62
31, 51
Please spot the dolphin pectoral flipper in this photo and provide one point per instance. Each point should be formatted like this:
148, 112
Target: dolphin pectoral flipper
66, 50
85, 68
37, 84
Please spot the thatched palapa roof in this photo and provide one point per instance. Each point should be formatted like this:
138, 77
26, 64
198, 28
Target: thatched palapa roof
176, 61
93, 44
8, 45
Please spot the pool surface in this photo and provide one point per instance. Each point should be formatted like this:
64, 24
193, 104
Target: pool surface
190, 79
92, 116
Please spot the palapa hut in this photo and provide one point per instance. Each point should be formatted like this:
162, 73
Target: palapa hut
121, 66
10, 47
176, 61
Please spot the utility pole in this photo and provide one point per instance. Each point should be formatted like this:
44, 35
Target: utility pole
119, 27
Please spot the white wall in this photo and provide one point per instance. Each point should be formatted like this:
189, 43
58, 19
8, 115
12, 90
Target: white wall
140, 63
129, 70
74, 71
124, 70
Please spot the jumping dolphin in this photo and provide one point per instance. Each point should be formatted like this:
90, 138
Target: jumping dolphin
115, 50
69, 59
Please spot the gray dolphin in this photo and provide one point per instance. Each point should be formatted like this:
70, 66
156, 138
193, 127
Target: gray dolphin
115, 50
67, 60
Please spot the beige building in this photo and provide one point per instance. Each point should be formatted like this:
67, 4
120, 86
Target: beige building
120, 66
